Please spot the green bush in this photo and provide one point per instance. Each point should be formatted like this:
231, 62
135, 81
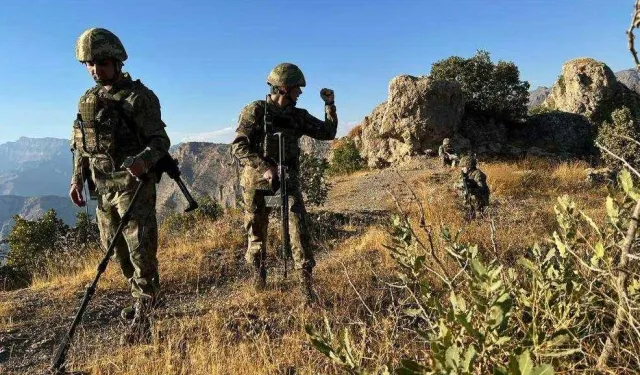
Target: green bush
346, 158
494, 89
622, 124
313, 182
570, 303
33, 243
35, 246
183, 222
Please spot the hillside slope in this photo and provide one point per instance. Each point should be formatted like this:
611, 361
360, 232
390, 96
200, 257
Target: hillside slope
214, 323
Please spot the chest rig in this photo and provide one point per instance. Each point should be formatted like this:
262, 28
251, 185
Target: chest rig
290, 126
103, 129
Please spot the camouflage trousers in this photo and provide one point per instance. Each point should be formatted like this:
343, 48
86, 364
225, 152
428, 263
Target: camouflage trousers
136, 248
256, 221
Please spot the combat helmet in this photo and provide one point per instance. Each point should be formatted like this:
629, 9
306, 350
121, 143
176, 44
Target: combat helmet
469, 162
97, 44
286, 74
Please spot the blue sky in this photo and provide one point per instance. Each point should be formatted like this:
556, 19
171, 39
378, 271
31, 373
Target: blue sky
207, 59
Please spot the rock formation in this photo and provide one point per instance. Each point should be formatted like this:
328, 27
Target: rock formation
417, 115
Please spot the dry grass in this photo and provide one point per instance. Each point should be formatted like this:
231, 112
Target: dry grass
226, 328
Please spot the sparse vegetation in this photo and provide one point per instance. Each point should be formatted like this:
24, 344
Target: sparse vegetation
404, 310
610, 135
313, 179
184, 223
346, 158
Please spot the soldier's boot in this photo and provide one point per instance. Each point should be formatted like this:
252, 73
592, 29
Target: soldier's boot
259, 275
139, 330
129, 312
306, 286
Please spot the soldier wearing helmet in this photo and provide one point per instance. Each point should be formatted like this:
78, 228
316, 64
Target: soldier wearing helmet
259, 167
447, 154
116, 119
473, 186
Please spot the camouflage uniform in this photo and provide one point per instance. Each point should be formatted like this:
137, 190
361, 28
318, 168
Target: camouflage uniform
110, 126
256, 158
477, 189
447, 154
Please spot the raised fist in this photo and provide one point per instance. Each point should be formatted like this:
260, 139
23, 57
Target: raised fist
327, 95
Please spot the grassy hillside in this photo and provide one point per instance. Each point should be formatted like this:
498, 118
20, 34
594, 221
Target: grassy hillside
214, 323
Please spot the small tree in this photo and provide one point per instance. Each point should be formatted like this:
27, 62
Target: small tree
623, 124
495, 89
31, 243
313, 179
346, 158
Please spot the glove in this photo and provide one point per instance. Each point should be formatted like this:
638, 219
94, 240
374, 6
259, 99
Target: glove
328, 96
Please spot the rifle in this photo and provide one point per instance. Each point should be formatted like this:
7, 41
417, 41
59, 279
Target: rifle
166, 164
467, 196
279, 185
465, 188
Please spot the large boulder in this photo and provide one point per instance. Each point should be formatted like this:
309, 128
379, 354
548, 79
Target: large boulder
559, 133
418, 114
588, 87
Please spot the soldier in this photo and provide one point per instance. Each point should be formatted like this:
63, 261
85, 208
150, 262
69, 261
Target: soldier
473, 186
118, 118
447, 154
259, 167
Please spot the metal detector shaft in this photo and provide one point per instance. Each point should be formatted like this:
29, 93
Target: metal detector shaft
284, 199
60, 358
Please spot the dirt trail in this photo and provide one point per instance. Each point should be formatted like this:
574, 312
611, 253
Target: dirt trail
369, 190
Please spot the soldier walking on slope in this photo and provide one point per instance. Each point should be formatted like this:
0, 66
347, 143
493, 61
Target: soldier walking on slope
120, 118
473, 186
258, 157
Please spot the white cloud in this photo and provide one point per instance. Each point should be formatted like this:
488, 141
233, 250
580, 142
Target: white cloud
224, 135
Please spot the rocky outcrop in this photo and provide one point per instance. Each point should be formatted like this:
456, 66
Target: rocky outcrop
317, 148
589, 88
418, 114
553, 133
208, 169
630, 78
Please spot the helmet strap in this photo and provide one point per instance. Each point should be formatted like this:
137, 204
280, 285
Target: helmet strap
117, 72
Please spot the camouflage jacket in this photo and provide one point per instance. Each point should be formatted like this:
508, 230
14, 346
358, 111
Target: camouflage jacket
125, 121
255, 149
442, 150
477, 184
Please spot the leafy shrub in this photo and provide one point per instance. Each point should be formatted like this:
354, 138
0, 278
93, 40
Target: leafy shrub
183, 222
346, 158
622, 124
495, 89
313, 180
571, 302
38, 245
32, 243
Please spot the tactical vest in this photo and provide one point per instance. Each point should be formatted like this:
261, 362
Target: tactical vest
290, 125
106, 135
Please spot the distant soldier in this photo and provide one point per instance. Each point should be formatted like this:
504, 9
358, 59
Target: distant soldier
447, 155
118, 118
473, 186
258, 157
